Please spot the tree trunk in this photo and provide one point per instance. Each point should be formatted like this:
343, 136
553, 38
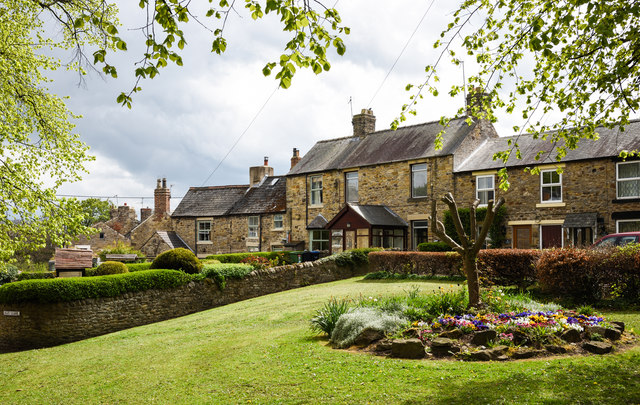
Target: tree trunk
473, 283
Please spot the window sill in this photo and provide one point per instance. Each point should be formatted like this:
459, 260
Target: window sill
418, 199
316, 205
551, 205
205, 242
277, 229
625, 200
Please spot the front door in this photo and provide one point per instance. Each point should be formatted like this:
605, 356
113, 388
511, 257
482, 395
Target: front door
551, 236
522, 236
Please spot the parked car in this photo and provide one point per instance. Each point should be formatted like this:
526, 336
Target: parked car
617, 239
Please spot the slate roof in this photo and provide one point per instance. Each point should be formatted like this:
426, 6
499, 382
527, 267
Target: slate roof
267, 197
172, 239
378, 215
405, 143
610, 144
581, 220
319, 222
209, 201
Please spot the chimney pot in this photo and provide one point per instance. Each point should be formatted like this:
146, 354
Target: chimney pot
164, 182
266, 160
295, 158
158, 183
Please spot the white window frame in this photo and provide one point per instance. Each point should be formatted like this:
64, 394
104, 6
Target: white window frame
550, 185
253, 228
418, 169
316, 193
312, 241
278, 218
348, 178
491, 190
624, 220
618, 180
204, 231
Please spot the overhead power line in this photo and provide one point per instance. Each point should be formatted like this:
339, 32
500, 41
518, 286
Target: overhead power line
400, 55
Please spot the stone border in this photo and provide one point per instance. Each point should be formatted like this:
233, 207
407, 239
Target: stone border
32, 325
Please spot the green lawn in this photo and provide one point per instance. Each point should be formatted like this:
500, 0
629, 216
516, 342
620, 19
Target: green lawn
261, 351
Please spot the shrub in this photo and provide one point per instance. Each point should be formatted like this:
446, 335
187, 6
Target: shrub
350, 324
138, 266
279, 257
325, 319
569, 272
434, 247
119, 248
79, 288
220, 272
256, 262
178, 259
425, 263
108, 268
385, 275
353, 257
8, 273
509, 266
35, 275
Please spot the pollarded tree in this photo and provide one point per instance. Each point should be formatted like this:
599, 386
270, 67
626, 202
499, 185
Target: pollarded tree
469, 245
577, 58
39, 151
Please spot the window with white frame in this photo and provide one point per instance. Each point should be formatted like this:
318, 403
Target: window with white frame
485, 190
628, 179
628, 225
254, 226
319, 239
278, 221
351, 186
419, 180
204, 231
550, 186
316, 190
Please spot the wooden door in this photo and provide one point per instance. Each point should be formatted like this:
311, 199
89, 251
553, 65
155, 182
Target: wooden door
522, 236
349, 240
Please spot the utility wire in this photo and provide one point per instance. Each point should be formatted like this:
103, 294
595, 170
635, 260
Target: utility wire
246, 129
400, 55
107, 196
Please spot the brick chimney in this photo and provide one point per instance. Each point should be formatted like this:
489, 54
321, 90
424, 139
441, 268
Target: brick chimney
162, 199
475, 100
364, 123
257, 173
145, 213
295, 158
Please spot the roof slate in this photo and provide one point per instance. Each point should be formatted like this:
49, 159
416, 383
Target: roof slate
209, 201
405, 143
378, 215
172, 239
264, 198
610, 143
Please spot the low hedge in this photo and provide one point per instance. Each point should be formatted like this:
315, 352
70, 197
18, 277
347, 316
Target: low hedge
239, 257
76, 288
425, 263
138, 266
509, 266
36, 275
223, 271
591, 275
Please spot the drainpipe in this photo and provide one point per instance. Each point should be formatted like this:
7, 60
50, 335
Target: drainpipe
260, 233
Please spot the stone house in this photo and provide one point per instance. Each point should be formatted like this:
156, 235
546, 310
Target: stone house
117, 229
235, 218
594, 194
374, 188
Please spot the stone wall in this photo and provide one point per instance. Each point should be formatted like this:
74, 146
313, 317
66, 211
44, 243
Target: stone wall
43, 325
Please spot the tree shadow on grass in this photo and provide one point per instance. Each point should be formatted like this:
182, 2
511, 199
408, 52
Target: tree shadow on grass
610, 379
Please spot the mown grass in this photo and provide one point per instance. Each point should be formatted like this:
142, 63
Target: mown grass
262, 351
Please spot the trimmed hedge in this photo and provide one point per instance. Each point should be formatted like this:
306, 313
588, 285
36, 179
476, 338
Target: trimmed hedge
509, 266
426, 263
138, 266
499, 266
178, 259
239, 257
77, 288
107, 268
221, 272
434, 247
353, 257
591, 275
36, 275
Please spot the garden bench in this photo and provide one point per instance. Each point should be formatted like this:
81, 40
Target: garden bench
126, 257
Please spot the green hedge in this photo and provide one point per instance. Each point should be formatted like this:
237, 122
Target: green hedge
76, 288
239, 257
138, 266
434, 247
223, 271
36, 275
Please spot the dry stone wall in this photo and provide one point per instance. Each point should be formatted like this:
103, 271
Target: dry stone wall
33, 325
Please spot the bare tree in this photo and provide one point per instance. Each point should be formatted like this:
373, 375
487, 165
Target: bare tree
469, 245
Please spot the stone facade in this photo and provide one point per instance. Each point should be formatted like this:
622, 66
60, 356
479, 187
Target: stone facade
42, 325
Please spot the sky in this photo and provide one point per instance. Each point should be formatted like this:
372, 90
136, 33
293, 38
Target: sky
188, 118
